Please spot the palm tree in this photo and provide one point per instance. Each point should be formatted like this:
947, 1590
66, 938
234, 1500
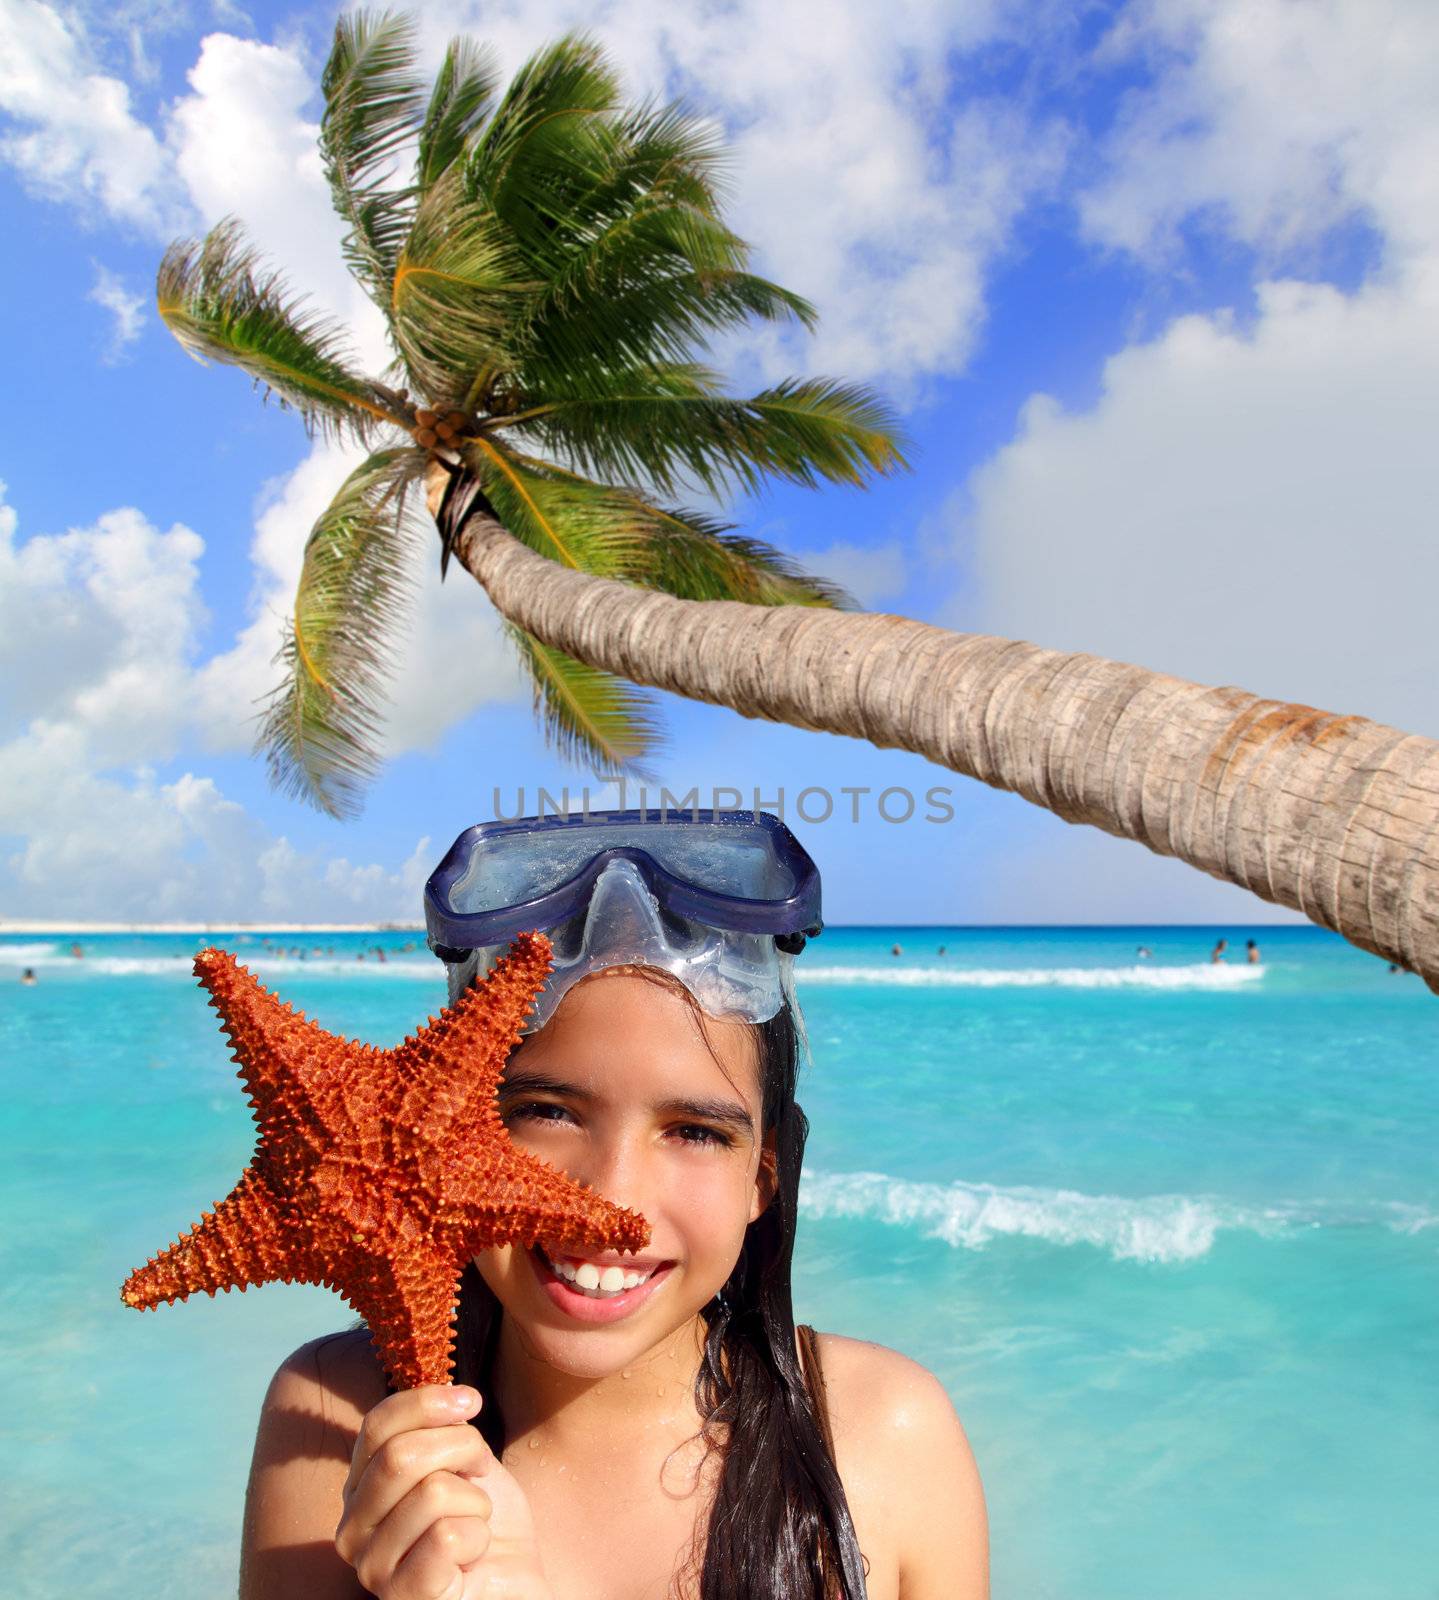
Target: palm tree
546, 274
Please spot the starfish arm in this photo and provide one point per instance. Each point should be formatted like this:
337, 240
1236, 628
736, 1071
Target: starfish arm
452, 1067
297, 1073
242, 1242
408, 1300
508, 1196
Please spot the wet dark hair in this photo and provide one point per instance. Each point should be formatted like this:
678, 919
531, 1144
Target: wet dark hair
780, 1527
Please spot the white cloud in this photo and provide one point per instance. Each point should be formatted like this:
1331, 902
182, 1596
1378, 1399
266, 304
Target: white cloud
860, 183
1251, 501
243, 147
125, 847
98, 669
78, 140
870, 573
451, 657
1241, 508
1274, 121
853, 174
127, 309
96, 629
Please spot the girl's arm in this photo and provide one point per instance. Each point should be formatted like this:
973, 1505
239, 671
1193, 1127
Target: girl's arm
308, 1426
356, 1492
908, 1472
944, 1539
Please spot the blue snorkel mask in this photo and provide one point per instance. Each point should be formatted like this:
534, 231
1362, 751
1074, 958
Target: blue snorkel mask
723, 901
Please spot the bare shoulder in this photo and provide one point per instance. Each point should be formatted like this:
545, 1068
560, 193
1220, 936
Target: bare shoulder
908, 1469
308, 1424
338, 1375
884, 1402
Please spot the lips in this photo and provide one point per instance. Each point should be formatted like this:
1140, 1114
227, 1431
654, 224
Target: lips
592, 1307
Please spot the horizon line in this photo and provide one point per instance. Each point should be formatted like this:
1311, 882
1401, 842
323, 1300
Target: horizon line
56, 928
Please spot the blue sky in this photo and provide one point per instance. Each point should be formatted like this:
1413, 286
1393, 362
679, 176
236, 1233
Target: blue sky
1155, 287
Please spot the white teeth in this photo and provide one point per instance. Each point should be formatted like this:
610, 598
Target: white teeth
595, 1282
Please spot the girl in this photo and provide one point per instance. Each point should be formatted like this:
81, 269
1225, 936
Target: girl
622, 1427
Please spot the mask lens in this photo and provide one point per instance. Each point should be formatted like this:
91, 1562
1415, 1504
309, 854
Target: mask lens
739, 861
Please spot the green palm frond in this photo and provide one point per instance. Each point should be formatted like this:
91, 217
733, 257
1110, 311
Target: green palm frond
646, 320
615, 214
672, 428
456, 292
587, 526
699, 558
684, 553
374, 100
544, 146
589, 717
648, 198
222, 305
320, 730
821, 428
464, 92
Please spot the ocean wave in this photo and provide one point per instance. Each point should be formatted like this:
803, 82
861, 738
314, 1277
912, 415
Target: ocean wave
427, 969
1152, 1228
1199, 975
424, 966
27, 955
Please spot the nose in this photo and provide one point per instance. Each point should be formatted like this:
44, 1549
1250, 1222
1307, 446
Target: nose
616, 1168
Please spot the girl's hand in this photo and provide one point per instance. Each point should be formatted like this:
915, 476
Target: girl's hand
430, 1514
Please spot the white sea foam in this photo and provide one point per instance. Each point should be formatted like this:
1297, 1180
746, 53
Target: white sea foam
1158, 1228
27, 955
1199, 975
268, 967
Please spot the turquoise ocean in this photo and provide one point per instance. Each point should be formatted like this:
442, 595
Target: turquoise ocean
1168, 1232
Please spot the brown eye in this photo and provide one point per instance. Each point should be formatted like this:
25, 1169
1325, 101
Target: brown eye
536, 1111
697, 1133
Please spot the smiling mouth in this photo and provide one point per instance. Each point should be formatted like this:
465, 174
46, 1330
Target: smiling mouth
592, 1280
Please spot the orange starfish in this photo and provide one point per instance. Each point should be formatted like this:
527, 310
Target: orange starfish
380, 1173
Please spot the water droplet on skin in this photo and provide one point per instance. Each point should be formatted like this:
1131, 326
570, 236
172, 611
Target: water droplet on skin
544, 1461
562, 1466
625, 1373
534, 1443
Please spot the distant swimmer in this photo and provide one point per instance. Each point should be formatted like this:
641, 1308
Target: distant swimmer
28, 978
895, 950
1144, 952
1217, 954
941, 950
77, 951
1251, 953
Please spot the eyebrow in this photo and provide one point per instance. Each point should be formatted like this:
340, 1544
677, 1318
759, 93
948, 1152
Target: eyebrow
729, 1113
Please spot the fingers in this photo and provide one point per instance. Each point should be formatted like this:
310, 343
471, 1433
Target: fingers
400, 1464
433, 1405
440, 1527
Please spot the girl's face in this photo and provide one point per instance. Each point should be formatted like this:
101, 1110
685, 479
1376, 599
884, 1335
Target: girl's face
656, 1107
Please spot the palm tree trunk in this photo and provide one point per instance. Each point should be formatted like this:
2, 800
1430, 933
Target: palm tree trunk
1334, 816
